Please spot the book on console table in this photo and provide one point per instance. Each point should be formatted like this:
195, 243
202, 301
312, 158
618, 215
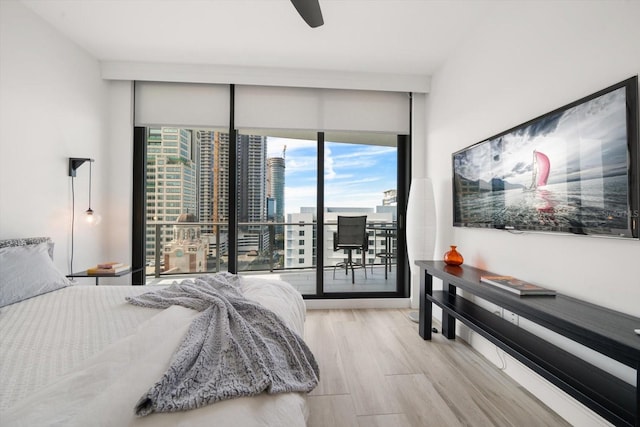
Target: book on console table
517, 286
108, 268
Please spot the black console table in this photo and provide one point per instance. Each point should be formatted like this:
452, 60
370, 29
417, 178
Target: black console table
608, 332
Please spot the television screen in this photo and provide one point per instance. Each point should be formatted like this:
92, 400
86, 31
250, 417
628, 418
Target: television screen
572, 170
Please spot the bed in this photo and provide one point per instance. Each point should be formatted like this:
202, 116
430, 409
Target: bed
78, 355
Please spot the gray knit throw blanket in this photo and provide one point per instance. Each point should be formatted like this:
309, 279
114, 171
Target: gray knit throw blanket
234, 348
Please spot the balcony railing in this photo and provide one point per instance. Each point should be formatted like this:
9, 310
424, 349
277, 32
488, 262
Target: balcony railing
202, 247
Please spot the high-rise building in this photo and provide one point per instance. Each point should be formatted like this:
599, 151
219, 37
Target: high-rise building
252, 157
188, 174
251, 169
251, 196
275, 196
390, 198
275, 185
171, 181
204, 141
220, 201
300, 240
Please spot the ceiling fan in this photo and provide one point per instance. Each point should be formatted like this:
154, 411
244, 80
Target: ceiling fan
310, 12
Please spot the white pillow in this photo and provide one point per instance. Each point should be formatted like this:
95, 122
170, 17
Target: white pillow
27, 271
25, 241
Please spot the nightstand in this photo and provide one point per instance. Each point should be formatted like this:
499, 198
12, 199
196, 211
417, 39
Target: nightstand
98, 276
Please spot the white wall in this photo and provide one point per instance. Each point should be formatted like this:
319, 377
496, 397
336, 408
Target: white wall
531, 58
119, 156
52, 107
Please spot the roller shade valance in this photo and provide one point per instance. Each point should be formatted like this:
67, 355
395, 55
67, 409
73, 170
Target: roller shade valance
181, 104
271, 107
321, 109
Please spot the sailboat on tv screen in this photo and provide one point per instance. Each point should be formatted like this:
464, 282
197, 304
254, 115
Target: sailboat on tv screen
541, 167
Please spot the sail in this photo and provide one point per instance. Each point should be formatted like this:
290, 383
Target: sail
542, 165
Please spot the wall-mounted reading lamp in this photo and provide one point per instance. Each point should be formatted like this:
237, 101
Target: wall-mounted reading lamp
74, 164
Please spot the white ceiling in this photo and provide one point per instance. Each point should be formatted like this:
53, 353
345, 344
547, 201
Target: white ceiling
382, 36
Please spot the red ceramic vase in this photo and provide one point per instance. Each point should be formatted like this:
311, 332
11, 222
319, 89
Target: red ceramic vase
453, 257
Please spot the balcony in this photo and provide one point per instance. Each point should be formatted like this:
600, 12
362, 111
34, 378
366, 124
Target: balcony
284, 251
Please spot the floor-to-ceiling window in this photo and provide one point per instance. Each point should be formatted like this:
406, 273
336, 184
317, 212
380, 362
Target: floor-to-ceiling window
286, 186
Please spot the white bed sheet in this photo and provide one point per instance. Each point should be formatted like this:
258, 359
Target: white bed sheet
44, 337
126, 351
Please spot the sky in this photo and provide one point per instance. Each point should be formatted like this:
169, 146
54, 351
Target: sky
355, 175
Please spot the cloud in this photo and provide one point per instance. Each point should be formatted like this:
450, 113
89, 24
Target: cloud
362, 156
352, 160
329, 171
301, 164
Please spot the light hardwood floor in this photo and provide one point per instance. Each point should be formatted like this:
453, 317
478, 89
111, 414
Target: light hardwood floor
375, 370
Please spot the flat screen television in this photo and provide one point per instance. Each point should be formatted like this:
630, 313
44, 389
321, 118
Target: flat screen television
573, 170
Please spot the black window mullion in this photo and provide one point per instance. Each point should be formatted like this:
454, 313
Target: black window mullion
139, 201
233, 186
404, 181
320, 216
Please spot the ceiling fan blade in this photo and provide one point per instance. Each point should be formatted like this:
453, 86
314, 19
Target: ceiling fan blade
310, 12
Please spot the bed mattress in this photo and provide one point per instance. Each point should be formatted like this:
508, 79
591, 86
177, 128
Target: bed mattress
82, 356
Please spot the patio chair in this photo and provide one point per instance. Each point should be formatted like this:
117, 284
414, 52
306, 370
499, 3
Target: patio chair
351, 235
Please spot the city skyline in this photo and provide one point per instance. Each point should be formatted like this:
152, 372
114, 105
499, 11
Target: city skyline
187, 181
356, 175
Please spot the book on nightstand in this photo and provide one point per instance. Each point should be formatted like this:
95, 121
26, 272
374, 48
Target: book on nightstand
108, 268
517, 286
111, 264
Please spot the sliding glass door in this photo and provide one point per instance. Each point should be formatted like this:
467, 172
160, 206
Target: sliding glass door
361, 179
287, 211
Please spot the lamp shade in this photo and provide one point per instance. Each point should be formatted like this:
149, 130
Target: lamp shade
421, 226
